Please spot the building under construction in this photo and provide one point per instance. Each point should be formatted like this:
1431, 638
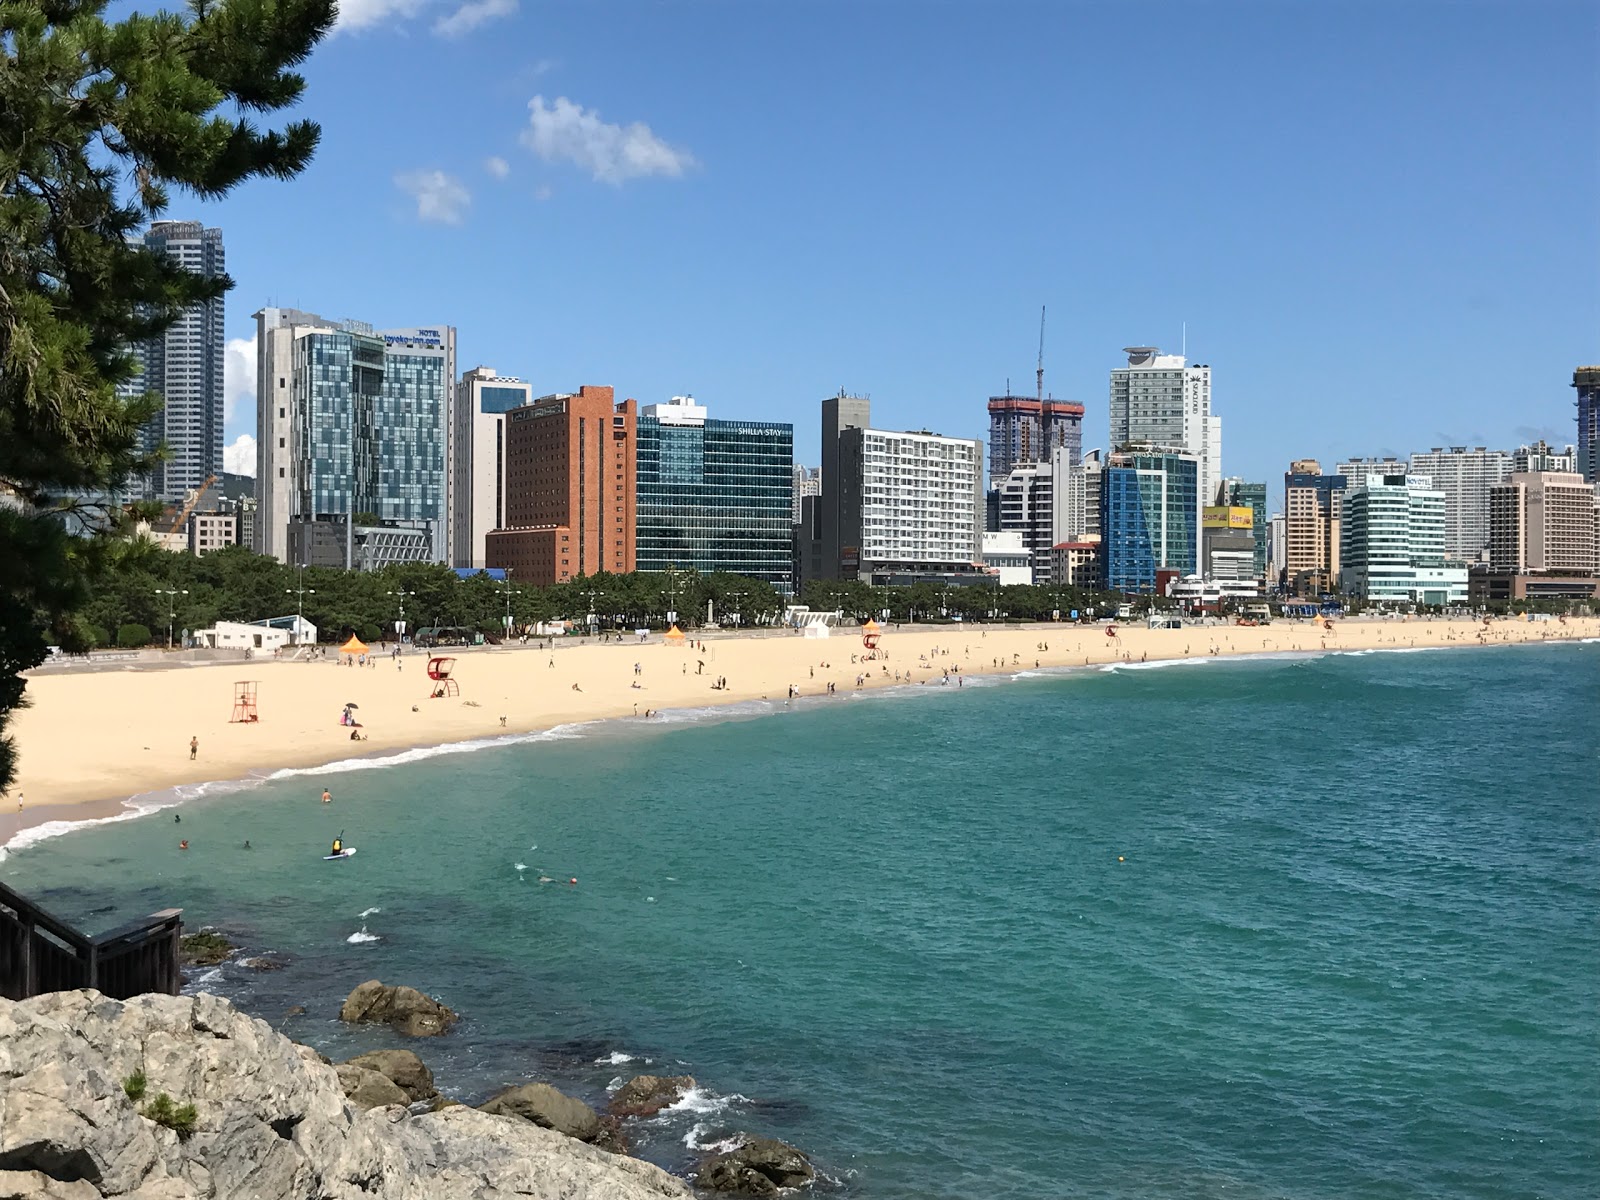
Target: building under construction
1025, 429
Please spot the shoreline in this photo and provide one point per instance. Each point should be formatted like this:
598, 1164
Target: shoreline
82, 793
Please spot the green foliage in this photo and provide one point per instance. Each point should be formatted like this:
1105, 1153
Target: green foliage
94, 636
131, 636
134, 1085
180, 1118
99, 121
370, 633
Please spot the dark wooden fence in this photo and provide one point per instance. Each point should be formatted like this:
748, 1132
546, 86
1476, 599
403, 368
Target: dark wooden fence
40, 953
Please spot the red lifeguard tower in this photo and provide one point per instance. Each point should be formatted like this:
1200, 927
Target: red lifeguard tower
439, 670
244, 703
870, 633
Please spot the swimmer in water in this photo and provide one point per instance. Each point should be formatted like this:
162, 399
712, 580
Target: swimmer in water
247, 844
183, 845
327, 797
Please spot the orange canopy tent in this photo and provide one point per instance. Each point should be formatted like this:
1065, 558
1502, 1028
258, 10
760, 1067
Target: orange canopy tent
354, 646
674, 634
871, 626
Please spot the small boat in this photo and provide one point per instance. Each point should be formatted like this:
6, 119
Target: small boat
345, 853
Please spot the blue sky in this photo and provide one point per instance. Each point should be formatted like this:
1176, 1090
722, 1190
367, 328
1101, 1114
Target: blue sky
1380, 221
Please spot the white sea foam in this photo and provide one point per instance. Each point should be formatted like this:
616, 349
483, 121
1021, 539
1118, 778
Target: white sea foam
699, 1138
422, 753
212, 976
521, 867
1158, 664
615, 1059
361, 935
369, 912
698, 1100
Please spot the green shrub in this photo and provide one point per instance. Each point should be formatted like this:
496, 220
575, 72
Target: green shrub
132, 636
371, 634
180, 1118
96, 636
134, 1085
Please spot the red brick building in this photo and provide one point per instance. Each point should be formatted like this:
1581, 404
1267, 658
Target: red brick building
570, 488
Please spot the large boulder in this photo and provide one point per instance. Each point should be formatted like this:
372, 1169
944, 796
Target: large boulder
542, 1105
403, 1068
204, 949
368, 1089
760, 1167
646, 1095
404, 1008
272, 1121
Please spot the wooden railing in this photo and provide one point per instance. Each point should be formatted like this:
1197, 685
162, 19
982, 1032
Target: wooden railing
41, 953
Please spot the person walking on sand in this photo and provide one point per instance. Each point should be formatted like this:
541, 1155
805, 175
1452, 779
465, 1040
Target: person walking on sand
194, 747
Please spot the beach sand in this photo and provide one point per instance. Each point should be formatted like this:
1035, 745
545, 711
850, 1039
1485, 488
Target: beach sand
92, 738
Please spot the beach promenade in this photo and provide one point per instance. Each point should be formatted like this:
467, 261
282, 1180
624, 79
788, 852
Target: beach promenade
93, 738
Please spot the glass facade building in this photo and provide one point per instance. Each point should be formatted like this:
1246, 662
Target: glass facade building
1237, 493
714, 495
1149, 518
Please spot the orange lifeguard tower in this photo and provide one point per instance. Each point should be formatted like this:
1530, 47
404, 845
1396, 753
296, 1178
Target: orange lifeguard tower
870, 633
439, 670
244, 703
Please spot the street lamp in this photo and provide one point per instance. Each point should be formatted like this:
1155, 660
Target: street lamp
400, 625
302, 592
172, 608
510, 592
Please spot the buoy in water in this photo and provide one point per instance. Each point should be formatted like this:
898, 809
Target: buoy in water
574, 879
1121, 859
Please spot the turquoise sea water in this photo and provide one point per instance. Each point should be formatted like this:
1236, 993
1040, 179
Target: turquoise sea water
1301, 927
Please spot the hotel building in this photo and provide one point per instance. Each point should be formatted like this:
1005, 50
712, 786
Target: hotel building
1543, 522
570, 488
1311, 535
1392, 542
1158, 400
714, 495
352, 431
1149, 518
1587, 382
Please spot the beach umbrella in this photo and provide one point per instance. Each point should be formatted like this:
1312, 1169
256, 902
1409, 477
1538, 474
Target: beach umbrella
352, 704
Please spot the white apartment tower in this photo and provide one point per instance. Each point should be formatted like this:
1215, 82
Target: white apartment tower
1543, 521
1392, 532
1077, 497
1543, 457
1464, 476
184, 364
1158, 400
477, 500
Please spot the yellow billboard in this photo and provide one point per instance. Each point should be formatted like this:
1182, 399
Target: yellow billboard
1220, 516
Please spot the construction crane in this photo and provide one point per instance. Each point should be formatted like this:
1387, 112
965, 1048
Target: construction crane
189, 504
1038, 376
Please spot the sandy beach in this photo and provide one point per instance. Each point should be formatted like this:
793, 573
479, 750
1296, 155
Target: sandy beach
94, 738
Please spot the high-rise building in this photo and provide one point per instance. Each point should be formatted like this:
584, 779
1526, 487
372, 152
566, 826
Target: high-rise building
1542, 521
570, 488
807, 482
1025, 429
1543, 457
714, 495
1465, 476
352, 439
1392, 535
1077, 498
1236, 493
1159, 401
184, 364
1026, 498
895, 505
1311, 536
1149, 518
477, 500
1227, 543
1277, 550
1587, 381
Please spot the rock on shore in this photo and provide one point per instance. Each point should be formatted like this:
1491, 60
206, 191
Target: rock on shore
404, 1008
271, 1119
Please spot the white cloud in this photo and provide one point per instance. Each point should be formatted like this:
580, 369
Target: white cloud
238, 376
564, 131
239, 456
472, 14
363, 14
497, 166
440, 197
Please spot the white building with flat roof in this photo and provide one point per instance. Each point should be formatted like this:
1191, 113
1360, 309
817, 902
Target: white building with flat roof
1392, 542
1465, 476
477, 474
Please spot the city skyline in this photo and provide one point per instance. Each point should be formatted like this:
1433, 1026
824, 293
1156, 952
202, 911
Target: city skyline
1345, 267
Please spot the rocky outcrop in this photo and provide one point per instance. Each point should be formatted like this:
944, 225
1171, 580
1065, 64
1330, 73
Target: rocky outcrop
368, 1089
542, 1105
404, 1008
401, 1067
204, 949
646, 1095
760, 1167
272, 1122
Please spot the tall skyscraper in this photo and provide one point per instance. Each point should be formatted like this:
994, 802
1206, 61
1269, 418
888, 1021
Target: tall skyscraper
1236, 493
1465, 476
1543, 521
1311, 533
1391, 542
715, 495
1159, 401
895, 505
1025, 429
352, 432
478, 459
807, 482
1149, 518
1587, 381
570, 488
184, 364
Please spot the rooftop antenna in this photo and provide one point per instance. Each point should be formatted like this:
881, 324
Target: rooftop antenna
1038, 375
1184, 340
